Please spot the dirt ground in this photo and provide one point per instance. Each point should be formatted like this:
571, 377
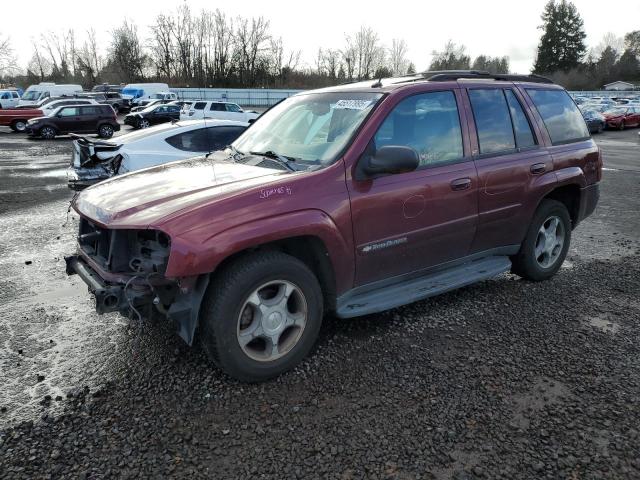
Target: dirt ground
504, 379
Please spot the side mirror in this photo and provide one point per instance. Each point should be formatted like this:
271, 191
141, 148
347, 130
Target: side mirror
391, 159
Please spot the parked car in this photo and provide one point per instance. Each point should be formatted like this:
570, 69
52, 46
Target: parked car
99, 119
134, 93
622, 117
160, 97
114, 99
152, 115
108, 88
219, 111
595, 120
43, 90
17, 118
351, 199
97, 160
51, 107
147, 104
9, 99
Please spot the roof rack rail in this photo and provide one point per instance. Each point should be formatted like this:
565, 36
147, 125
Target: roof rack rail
447, 75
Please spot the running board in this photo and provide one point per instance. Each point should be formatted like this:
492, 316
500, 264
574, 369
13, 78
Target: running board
409, 291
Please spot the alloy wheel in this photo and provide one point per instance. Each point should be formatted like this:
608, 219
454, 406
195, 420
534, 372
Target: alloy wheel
549, 243
272, 320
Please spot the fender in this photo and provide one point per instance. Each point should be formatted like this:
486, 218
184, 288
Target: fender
192, 257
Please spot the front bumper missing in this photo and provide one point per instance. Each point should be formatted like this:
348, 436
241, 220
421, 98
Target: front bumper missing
181, 304
110, 297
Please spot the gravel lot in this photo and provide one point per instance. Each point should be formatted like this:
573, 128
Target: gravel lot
504, 379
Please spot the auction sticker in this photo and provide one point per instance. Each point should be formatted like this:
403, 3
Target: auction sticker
352, 104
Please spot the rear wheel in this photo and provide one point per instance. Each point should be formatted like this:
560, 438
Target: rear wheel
261, 316
546, 244
105, 131
18, 126
143, 123
48, 133
621, 126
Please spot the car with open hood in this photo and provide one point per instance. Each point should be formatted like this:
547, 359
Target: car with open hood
96, 160
352, 200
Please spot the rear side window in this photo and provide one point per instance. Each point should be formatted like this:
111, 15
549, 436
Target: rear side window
5, 96
521, 126
493, 122
89, 111
220, 137
218, 107
199, 105
560, 115
192, 141
429, 123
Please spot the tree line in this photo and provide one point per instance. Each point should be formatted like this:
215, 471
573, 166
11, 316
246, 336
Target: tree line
211, 49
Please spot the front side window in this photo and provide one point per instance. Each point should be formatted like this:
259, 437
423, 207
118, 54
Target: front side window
560, 115
429, 123
493, 120
312, 127
232, 107
218, 107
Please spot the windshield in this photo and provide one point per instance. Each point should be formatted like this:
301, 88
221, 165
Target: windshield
313, 127
31, 95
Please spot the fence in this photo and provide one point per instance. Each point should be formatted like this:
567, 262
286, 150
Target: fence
247, 97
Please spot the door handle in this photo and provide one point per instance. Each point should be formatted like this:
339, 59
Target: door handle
538, 168
460, 184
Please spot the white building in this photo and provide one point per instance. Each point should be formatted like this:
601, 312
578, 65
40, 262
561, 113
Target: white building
619, 85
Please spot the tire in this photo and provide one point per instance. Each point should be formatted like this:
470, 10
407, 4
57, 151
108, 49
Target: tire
228, 310
105, 131
621, 126
143, 123
19, 126
600, 128
527, 263
48, 133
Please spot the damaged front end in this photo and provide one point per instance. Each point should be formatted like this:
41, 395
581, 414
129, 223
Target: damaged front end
92, 161
124, 270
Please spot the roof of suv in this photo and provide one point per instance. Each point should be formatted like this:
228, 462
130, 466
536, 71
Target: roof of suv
394, 83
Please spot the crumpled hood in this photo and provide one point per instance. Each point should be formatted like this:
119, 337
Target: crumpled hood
147, 197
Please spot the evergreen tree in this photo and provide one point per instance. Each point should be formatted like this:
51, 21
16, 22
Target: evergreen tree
628, 67
562, 44
632, 42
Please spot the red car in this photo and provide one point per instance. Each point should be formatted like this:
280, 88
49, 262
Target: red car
17, 118
622, 117
352, 200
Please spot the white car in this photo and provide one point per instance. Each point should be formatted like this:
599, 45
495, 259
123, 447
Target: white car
9, 99
96, 160
218, 111
49, 108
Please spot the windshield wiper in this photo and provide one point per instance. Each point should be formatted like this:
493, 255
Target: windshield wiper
287, 162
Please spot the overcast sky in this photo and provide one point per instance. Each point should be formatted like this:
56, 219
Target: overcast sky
491, 27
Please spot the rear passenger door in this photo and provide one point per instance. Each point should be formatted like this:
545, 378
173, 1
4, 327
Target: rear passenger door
508, 155
411, 221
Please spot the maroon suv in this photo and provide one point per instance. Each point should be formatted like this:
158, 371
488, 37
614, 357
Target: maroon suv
351, 200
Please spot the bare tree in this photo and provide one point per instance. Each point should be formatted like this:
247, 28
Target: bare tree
183, 37
88, 60
7, 59
251, 36
332, 62
162, 47
366, 53
398, 62
223, 40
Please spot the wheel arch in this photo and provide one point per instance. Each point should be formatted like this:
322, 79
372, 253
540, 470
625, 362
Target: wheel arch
569, 196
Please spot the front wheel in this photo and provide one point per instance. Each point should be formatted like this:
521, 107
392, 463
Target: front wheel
143, 123
261, 316
48, 133
19, 126
621, 126
546, 244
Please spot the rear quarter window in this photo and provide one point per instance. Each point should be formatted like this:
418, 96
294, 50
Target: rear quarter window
560, 115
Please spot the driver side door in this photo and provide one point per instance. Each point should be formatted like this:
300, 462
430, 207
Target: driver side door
407, 222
